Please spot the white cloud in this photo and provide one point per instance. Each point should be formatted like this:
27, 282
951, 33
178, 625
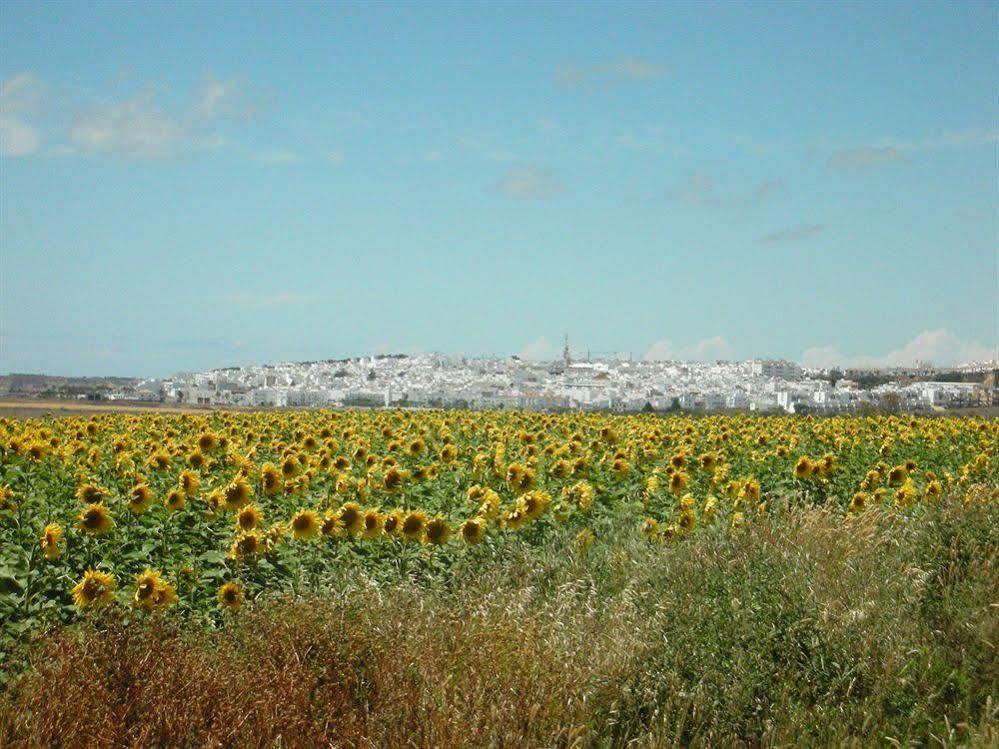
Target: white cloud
17, 137
20, 95
621, 70
133, 129
708, 349
794, 233
227, 98
866, 156
939, 347
540, 350
529, 182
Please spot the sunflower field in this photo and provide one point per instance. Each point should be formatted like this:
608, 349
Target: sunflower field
216, 518
201, 511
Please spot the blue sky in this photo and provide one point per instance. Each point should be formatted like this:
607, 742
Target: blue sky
200, 185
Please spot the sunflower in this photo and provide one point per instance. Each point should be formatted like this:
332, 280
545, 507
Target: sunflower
905, 495
305, 525
94, 519
140, 498
7, 498
246, 545
160, 460
148, 585
473, 530
393, 522
248, 518
582, 493
236, 494
678, 482
803, 468
230, 596
650, 528
175, 500
95, 589
374, 522
91, 494
898, 475
51, 535
270, 476
414, 525
438, 530
535, 503
686, 520
392, 480
331, 524
448, 454
207, 442
189, 482
351, 518
858, 502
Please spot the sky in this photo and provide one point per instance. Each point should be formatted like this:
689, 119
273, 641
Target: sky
189, 186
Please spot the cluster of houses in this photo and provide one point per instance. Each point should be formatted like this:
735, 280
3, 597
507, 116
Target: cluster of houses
435, 380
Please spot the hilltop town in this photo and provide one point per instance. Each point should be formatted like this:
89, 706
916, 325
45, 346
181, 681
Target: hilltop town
437, 380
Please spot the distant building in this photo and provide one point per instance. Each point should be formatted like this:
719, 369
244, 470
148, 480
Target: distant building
775, 368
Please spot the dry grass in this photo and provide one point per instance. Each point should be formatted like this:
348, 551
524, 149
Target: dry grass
800, 629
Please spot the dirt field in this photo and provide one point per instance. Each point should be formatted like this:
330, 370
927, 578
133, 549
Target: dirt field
30, 408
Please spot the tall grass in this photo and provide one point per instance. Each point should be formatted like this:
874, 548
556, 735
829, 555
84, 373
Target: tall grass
800, 628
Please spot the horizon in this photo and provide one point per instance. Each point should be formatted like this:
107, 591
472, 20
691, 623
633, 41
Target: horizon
577, 355
184, 185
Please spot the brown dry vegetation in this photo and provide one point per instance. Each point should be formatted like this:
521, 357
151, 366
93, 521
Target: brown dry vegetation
802, 628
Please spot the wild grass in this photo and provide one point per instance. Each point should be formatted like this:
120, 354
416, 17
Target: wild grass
801, 628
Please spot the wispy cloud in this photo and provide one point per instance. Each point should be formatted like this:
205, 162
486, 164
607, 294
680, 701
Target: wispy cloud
609, 72
940, 347
540, 350
708, 349
232, 97
20, 95
864, 157
529, 182
794, 233
700, 188
133, 129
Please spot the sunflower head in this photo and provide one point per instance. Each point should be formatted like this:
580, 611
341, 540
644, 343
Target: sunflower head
94, 519
393, 522
175, 500
473, 530
246, 545
95, 589
237, 494
414, 525
304, 525
230, 596
91, 494
51, 535
351, 518
374, 522
248, 518
438, 530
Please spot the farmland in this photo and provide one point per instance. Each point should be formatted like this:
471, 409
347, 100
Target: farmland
548, 579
